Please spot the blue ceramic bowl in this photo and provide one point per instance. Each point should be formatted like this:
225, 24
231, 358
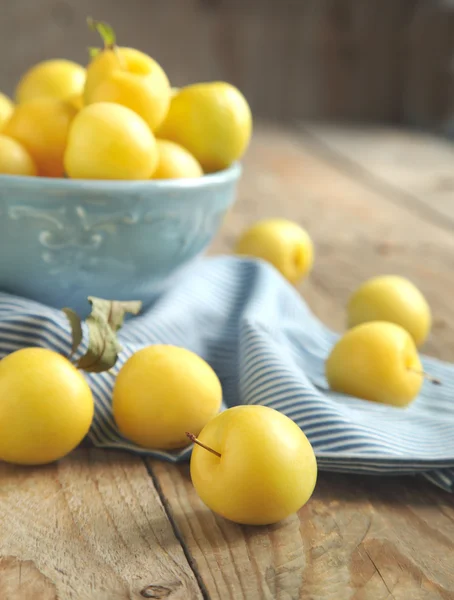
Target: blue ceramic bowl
62, 240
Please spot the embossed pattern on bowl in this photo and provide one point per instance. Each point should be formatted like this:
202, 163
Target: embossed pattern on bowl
63, 240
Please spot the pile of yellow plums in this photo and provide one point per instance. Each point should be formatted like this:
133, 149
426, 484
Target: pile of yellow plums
388, 318
119, 119
250, 464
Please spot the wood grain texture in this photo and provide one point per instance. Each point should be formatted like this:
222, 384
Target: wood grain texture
358, 538
386, 61
414, 168
90, 528
428, 77
94, 527
358, 231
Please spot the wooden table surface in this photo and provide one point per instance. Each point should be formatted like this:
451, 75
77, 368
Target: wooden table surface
103, 525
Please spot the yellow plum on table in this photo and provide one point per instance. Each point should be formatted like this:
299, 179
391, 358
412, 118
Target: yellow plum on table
376, 361
46, 407
391, 298
263, 469
284, 244
161, 392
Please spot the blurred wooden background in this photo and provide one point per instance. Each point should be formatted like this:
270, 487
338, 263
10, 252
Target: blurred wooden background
358, 60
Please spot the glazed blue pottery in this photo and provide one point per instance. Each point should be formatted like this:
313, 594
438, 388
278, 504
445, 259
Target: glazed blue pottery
63, 240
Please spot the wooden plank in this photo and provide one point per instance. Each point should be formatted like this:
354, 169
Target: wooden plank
336, 59
358, 232
89, 528
414, 168
358, 538
93, 527
428, 75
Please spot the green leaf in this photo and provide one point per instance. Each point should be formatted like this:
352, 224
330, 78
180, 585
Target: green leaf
118, 311
105, 319
103, 348
76, 328
93, 52
105, 31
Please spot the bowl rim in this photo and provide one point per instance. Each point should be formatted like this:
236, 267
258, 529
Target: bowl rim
207, 180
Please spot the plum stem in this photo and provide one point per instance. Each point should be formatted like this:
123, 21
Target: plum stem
105, 31
193, 438
427, 376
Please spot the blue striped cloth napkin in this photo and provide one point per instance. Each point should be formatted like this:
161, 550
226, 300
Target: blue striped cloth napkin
267, 348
